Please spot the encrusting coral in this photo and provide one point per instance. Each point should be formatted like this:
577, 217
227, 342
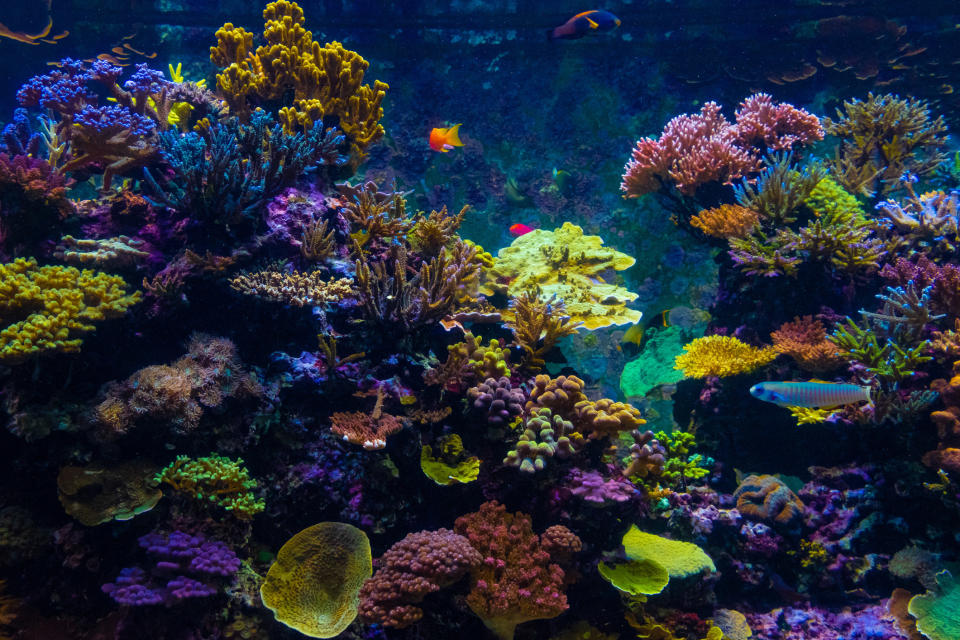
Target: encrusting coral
45, 308
323, 85
96, 494
569, 266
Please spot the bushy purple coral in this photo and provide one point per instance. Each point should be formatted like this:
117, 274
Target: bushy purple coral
498, 399
145, 80
114, 118
594, 489
178, 553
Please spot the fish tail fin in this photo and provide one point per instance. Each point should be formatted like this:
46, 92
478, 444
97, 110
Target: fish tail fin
453, 136
868, 390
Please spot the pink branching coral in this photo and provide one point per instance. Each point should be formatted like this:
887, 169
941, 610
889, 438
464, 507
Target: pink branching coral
367, 430
696, 149
518, 579
420, 564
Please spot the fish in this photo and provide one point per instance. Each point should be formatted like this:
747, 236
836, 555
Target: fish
583, 23
811, 394
518, 229
634, 334
513, 194
443, 140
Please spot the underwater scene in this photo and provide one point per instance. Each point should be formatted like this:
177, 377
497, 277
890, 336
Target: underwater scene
479, 319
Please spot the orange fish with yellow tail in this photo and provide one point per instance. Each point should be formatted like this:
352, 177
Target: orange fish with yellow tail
443, 140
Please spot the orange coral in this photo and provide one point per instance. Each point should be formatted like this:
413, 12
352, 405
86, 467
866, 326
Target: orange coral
767, 498
726, 221
805, 340
560, 394
606, 418
369, 431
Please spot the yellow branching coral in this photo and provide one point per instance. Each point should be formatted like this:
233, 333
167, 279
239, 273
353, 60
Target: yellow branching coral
45, 308
324, 84
314, 584
299, 289
726, 221
215, 479
537, 325
569, 265
721, 356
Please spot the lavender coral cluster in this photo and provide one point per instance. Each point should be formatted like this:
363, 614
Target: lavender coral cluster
499, 399
187, 566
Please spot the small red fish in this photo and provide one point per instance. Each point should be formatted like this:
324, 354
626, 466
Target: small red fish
443, 140
520, 229
584, 23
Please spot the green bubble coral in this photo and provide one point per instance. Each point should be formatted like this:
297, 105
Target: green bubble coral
216, 479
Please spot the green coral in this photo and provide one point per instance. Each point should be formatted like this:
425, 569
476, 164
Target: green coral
654, 366
938, 611
681, 465
46, 308
636, 577
216, 479
886, 359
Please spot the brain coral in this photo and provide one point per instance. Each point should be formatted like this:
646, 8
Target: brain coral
569, 265
768, 498
314, 583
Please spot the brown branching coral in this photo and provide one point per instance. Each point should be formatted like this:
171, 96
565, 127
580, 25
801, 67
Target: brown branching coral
805, 340
374, 215
537, 325
469, 362
296, 288
433, 293
317, 243
726, 221
323, 86
432, 232
881, 139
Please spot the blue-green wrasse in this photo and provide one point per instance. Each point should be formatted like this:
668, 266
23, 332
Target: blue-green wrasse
810, 394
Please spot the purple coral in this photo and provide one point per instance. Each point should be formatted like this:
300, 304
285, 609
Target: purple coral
498, 399
420, 564
178, 553
114, 118
145, 80
595, 490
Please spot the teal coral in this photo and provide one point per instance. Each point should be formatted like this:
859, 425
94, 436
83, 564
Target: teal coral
938, 612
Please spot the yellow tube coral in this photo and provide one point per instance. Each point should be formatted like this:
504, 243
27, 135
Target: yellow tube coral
721, 356
45, 308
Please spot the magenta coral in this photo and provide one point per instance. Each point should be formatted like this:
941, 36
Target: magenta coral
594, 489
696, 149
518, 579
411, 569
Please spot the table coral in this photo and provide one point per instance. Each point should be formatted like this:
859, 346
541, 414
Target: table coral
517, 580
313, 586
938, 611
96, 494
420, 564
721, 356
566, 264
299, 289
44, 308
101, 252
452, 465
325, 84
215, 479
764, 497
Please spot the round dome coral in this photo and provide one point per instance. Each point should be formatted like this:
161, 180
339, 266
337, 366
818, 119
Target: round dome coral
314, 583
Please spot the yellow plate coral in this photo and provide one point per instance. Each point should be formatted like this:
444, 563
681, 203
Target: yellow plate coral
314, 583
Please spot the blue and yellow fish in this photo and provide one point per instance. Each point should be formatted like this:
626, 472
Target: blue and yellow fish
811, 394
583, 23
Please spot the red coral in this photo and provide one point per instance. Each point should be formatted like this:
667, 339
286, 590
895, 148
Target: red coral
365, 430
695, 149
805, 340
34, 200
418, 565
518, 580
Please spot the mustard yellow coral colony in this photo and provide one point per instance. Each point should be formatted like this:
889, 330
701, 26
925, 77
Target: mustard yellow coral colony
323, 83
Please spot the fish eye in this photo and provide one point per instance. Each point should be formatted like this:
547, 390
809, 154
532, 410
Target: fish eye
757, 390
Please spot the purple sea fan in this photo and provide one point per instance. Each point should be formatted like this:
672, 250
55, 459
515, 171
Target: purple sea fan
499, 399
